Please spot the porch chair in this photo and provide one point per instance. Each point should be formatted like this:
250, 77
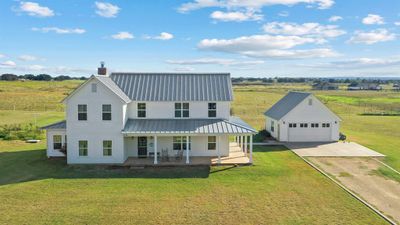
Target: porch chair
164, 155
179, 155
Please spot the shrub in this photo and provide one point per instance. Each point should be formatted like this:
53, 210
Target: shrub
261, 136
20, 132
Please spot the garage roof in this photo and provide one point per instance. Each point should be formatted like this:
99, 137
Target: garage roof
286, 104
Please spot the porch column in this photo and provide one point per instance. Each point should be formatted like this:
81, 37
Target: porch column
218, 149
187, 149
251, 149
245, 145
155, 150
240, 143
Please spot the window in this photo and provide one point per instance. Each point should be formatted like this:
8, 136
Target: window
303, 125
106, 111
82, 112
292, 125
83, 148
141, 110
56, 142
94, 88
212, 143
181, 109
107, 148
310, 101
212, 109
326, 125
179, 143
273, 126
314, 125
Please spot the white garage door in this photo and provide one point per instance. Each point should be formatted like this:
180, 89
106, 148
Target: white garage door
309, 134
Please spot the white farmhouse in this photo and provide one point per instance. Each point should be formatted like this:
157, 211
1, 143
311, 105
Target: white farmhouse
301, 117
149, 117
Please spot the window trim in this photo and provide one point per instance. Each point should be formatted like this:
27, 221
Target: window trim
54, 142
103, 112
212, 143
141, 110
182, 110
182, 143
107, 148
82, 112
212, 110
83, 149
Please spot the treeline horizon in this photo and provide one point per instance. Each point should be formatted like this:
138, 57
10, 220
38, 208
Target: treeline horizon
235, 80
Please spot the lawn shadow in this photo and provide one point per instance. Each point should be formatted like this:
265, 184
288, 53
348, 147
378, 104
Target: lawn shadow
270, 148
30, 165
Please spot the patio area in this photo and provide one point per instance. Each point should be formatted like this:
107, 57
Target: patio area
236, 157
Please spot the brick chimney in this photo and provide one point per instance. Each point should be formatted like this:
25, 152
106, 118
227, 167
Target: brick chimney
102, 70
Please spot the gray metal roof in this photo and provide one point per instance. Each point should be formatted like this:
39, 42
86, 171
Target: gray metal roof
59, 126
175, 86
286, 104
107, 81
185, 126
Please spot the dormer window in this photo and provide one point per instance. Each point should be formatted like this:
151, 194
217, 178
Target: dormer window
310, 101
94, 88
182, 110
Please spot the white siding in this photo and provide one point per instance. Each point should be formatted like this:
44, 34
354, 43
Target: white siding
95, 130
161, 110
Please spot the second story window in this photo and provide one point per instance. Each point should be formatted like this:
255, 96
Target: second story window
141, 110
94, 88
106, 112
212, 109
82, 112
181, 110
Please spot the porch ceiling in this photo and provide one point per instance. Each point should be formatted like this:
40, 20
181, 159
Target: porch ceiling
186, 126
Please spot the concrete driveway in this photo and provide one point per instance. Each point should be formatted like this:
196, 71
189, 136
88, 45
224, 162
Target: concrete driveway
333, 149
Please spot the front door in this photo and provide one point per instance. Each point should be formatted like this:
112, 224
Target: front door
142, 147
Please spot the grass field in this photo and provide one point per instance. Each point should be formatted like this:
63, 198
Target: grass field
279, 188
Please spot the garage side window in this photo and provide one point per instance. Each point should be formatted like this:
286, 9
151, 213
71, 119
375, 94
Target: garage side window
314, 125
272, 126
292, 125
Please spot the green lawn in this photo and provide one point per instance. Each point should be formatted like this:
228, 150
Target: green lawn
279, 189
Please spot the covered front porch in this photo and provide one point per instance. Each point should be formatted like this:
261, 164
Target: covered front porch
237, 156
166, 142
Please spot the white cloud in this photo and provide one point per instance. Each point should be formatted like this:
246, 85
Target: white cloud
359, 63
397, 23
215, 61
335, 18
267, 46
8, 64
34, 9
249, 4
2, 56
372, 37
305, 29
122, 36
106, 9
236, 16
163, 36
373, 19
27, 58
58, 30
283, 14
184, 69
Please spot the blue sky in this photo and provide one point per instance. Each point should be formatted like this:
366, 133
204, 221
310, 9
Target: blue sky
258, 38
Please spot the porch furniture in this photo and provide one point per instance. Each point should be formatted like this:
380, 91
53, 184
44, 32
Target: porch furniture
179, 155
164, 155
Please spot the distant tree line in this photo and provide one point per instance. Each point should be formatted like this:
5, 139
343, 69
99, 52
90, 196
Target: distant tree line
245, 80
39, 77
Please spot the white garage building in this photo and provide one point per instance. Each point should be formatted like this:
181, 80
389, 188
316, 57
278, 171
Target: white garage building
301, 117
